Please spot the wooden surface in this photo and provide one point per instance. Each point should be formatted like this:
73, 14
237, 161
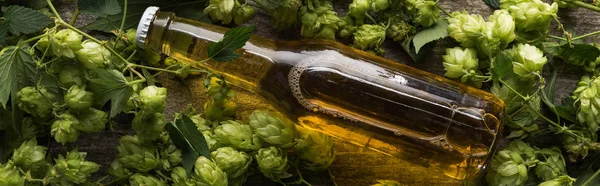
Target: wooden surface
353, 166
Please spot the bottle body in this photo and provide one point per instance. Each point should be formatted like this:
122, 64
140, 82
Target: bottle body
352, 95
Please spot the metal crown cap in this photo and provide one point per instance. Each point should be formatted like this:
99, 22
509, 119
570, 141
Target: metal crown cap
144, 25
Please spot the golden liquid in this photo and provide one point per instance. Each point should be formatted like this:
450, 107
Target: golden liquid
353, 96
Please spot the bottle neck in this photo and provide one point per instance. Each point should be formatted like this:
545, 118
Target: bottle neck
187, 41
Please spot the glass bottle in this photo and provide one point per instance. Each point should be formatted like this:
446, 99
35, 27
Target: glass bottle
349, 94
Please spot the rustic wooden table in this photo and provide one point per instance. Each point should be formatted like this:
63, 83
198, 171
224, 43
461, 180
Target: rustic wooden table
353, 166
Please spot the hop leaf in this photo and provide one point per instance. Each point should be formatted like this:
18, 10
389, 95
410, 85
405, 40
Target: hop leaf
74, 167
63, 43
137, 155
369, 36
64, 129
232, 162
30, 156
93, 55
9, 175
92, 120
77, 98
273, 128
237, 135
272, 162
314, 149
37, 102
143, 180
207, 172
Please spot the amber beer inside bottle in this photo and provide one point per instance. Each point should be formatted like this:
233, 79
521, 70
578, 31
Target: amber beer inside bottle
351, 95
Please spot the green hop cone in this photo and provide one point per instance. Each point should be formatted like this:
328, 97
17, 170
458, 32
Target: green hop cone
579, 147
62, 43
65, 128
551, 165
347, 27
74, 167
171, 156
200, 122
132, 102
502, 27
77, 98
358, 10
458, 61
217, 89
530, 15
179, 177
511, 164
273, 128
387, 183
29, 156
93, 55
151, 57
315, 149
369, 36
208, 173
9, 175
153, 99
137, 155
221, 10
92, 120
527, 60
425, 11
243, 14
220, 110
148, 126
466, 28
319, 23
399, 29
273, 163
71, 75
37, 102
117, 171
462, 63
211, 141
560, 181
286, 15
145, 180
379, 5
130, 35
237, 135
232, 162
587, 97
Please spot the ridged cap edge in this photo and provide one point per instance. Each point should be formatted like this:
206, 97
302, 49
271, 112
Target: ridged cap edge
144, 26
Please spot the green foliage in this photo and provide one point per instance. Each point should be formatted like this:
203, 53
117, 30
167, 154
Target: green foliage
100, 8
15, 16
433, 33
234, 39
189, 139
494, 4
109, 85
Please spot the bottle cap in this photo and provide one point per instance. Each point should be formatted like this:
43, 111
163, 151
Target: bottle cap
144, 25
